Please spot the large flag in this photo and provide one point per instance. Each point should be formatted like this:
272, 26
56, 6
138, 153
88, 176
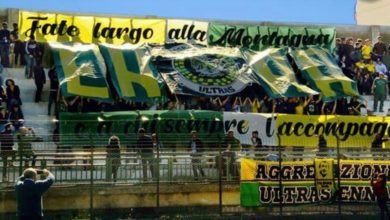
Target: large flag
273, 71
203, 71
132, 74
81, 71
323, 74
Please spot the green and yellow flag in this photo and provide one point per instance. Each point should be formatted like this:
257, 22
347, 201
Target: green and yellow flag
132, 74
81, 71
323, 74
274, 73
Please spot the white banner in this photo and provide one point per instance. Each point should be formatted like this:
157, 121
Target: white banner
243, 124
186, 31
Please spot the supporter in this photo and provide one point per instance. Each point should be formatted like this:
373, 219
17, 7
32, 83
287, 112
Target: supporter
379, 49
15, 115
312, 107
255, 105
380, 67
379, 186
89, 105
13, 94
342, 106
7, 143
11, 52
341, 48
348, 52
39, 79
367, 49
266, 105
231, 146
237, 104
302, 103
3, 96
376, 145
31, 53
329, 108
279, 105
354, 106
18, 47
365, 84
53, 94
216, 104
25, 137
380, 90
291, 104
226, 104
322, 146
114, 155
257, 144
29, 190
5, 40
72, 104
3, 117
195, 146
246, 105
145, 147
157, 144
337, 49
357, 52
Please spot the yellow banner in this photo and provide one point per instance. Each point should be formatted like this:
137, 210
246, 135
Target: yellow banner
352, 131
47, 27
319, 169
324, 173
253, 170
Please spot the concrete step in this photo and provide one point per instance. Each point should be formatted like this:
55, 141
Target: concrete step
35, 114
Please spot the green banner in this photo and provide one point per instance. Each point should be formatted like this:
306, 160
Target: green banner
261, 37
275, 74
132, 74
173, 127
81, 71
323, 74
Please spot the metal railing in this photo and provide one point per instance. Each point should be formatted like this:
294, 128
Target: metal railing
75, 165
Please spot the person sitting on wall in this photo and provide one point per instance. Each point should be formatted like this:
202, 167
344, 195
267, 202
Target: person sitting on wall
376, 145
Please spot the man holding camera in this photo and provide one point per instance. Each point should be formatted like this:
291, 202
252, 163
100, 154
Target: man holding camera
29, 193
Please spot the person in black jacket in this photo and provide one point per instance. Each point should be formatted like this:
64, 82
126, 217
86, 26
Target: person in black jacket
5, 40
196, 148
53, 95
7, 142
13, 94
39, 79
31, 51
376, 145
29, 193
145, 147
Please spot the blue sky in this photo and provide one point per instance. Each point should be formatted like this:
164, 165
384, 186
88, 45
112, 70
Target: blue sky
312, 11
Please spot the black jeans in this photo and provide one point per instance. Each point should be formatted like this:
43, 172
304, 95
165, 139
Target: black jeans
382, 200
38, 93
52, 99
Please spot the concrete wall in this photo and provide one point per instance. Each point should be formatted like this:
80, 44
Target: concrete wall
129, 196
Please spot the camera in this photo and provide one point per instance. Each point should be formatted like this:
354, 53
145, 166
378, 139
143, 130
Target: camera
39, 172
